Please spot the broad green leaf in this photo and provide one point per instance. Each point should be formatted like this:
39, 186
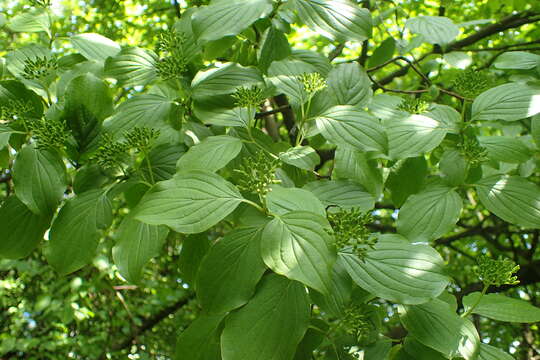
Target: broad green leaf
535, 129
200, 341
291, 86
303, 157
39, 178
339, 296
194, 248
398, 271
339, 20
316, 59
512, 198
223, 116
145, 110
212, 154
297, 245
88, 177
429, 214
414, 350
190, 202
32, 21
382, 53
458, 59
353, 164
84, 114
5, 134
132, 66
350, 85
413, 135
12, 91
224, 80
271, 325
435, 29
520, 60
18, 59
280, 201
230, 271
378, 350
406, 178
505, 148
454, 166
488, 352
447, 116
384, 106
435, 325
274, 47
313, 338
228, 18
94, 46
508, 102
76, 230
344, 124
22, 229
502, 308
163, 161
342, 193
136, 244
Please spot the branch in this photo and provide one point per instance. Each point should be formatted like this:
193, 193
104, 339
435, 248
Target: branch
177, 8
507, 47
509, 22
272, 112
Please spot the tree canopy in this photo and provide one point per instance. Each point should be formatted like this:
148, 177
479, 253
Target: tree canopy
270, 179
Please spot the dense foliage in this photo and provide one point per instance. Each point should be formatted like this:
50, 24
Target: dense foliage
270, 180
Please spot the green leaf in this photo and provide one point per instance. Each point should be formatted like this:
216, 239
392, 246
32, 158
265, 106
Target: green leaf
39, 178
31, 21
398, 271
228, 18
235, 259
190, 202
488, 352
133, 66
339, 296
274, 47
23, 230
502, 308
535, 129
512, 198
75, 232
435, 29
350, 85
344, 124
508, 102
194, 248
13, 91
94, 46
271, 325
406, 178
136, 244
382, 53
520, 60
298, 246
416, 351
145, 110
223, 116
5, 134
224, 80
429, 214
282, 200
352, 164
413, 135
505, 148
340, 20
447, 116
454, 166
212, 154
435, 325
17, 60
343, 193
84, 114
317, 60
163, 161
303, 157
200, 341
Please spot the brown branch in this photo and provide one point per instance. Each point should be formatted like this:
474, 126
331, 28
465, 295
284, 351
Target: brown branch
177, 8
507, 47
336, 52
288, 116
272, 112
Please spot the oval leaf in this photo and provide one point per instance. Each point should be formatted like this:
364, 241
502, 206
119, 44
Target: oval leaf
508, 102
212, 154
503, 308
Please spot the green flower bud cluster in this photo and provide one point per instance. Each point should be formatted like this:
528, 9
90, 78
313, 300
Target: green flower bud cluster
141, 138
39, 68
470, 83
258, 173
350, 230
248, 97
49, 134
471, 149
357, 322
497, 271
413, 105
113, 154
173, 64
14, 110
312, 82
